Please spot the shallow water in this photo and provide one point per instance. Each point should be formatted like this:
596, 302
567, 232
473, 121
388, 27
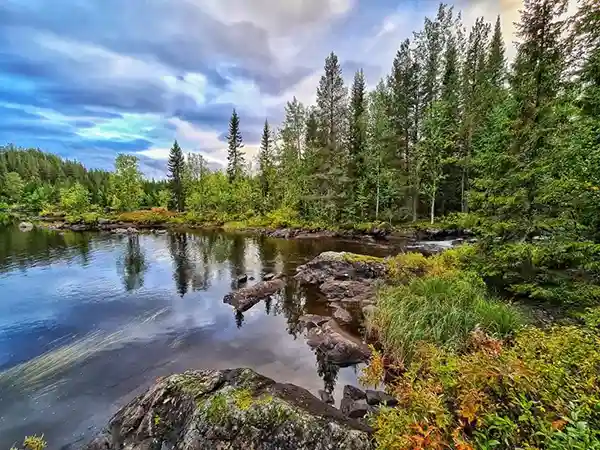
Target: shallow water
89, 320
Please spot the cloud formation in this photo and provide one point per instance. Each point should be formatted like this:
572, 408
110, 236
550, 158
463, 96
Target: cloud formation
89, 79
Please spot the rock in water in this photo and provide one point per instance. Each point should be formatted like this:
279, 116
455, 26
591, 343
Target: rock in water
242, 279
341, 316
25, 226
339, 347
230, 409
245, 298
340, 266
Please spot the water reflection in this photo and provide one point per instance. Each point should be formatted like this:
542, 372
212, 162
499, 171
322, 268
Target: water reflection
132, 264
92, 317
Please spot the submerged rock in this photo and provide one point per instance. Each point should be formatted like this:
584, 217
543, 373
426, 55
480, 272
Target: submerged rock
338, 347
245, 298
230, 409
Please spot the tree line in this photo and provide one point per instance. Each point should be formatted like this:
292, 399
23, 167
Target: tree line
452, 128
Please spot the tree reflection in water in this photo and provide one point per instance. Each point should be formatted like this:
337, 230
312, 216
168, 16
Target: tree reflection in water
132, 264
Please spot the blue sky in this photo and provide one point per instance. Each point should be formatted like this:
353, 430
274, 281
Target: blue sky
88, 79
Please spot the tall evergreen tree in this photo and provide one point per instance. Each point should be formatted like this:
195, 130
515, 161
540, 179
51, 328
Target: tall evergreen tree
496, 59
266, 163
330, 179
291, 151
357, 129
176, 166
475, 90
235, 155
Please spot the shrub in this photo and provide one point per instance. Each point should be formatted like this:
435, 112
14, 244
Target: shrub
152, 216
555, 272
541, 391
442, 309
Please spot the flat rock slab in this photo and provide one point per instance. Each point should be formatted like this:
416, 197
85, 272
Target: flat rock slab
245, 298
230, 409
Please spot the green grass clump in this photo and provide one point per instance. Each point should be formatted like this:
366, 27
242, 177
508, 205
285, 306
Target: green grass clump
438, 309
35, 442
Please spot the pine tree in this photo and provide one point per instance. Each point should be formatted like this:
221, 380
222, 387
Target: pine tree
475, 89
330, 180
517, 169
496, 59
176, 166
266, 164
291, 150
235, 155
357, 130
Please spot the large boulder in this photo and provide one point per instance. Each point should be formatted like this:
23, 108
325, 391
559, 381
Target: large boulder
230, 409
340, 266
245, 298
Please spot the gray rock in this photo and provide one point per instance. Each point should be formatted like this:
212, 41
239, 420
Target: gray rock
245, 298
326, 397
230, 409
242, 279
312, 320
339, 347
342, 316
375, 398
351, 291
79, 227
369, 311
25, 226
340, 266
355, 409
354, 393
102, 221
268, 276
119, 231
132, 230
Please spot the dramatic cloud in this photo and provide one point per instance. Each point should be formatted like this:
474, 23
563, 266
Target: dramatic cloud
89, 79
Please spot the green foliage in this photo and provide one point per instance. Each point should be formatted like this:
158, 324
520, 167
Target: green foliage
438, 309
541, 391
75, 199
176, 166
126, 183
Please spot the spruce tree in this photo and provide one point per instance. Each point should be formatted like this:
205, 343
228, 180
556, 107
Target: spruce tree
290, 152
357, 130
330, 179
176, 166
266, 163
475, 90
235, 155
496, 59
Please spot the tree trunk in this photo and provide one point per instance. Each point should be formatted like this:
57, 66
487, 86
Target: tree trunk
433, 208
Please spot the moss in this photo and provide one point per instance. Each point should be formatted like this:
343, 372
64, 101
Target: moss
356, 258
217, 409
243, 398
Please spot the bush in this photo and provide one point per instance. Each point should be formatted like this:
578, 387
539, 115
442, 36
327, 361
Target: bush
555, 272
153, 216
541, 391
441, 309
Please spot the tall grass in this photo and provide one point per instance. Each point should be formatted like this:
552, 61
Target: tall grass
441, 310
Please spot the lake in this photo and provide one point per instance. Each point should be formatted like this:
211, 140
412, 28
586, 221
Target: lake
89, 320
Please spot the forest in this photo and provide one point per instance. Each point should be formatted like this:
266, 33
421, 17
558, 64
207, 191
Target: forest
456, 135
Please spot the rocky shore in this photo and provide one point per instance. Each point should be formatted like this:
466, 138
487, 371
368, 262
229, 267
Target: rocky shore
240, 408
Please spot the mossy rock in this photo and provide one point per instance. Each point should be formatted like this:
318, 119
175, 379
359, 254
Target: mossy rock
230, 409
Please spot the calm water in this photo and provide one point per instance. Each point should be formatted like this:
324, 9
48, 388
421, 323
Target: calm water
89, 320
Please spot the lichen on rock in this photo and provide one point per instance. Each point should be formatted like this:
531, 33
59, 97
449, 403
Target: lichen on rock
230, 409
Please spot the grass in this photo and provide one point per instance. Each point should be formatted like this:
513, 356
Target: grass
441, 309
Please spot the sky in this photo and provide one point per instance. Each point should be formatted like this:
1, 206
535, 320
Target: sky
89, 79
